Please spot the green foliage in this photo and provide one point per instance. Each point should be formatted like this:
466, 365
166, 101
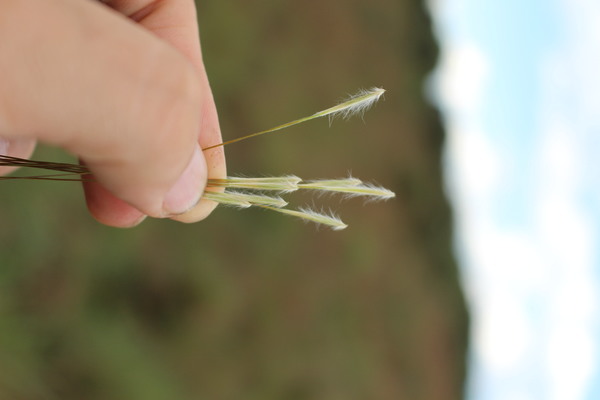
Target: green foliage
250, 305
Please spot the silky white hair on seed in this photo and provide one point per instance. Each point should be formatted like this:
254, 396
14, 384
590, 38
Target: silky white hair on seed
355, 104
307, 214
245, 200
350, 187
282, 184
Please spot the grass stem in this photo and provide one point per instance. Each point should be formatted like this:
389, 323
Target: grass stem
356, 104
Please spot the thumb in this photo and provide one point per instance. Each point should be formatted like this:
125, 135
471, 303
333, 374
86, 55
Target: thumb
94, 83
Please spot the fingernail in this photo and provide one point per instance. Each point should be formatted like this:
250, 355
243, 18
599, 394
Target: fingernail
186, 192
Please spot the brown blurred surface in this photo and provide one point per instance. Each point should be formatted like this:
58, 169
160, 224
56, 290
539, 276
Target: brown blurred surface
248, 304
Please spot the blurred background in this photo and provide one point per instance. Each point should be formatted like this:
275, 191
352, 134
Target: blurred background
249, 304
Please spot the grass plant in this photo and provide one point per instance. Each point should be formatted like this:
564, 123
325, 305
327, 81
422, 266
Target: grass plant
308, 214
282, 184
253, 188
353, 105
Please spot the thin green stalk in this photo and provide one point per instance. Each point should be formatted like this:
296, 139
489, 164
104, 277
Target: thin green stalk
356, 104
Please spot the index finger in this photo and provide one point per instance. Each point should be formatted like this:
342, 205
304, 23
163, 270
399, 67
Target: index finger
175, 21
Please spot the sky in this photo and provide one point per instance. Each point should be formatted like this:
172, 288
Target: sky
519, 87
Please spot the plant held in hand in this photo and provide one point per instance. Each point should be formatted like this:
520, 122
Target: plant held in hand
244, 192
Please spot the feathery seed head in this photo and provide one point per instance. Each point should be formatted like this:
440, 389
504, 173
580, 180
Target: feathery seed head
330, 184
373, 192
226, 198
244, 200
283, 184
351, 187
310, 215
355, 104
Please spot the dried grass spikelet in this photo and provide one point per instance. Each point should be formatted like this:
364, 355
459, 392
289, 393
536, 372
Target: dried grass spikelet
307, 214
355, 104
350, 187
253, 188
245, 200
282, 184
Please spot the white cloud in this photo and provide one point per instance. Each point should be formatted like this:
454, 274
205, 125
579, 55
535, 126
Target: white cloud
503, 332
566, 228
566, 235
574, 81
477, 167
569, 360
463, 71
461, 81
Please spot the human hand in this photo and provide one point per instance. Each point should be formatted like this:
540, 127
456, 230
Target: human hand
125, 89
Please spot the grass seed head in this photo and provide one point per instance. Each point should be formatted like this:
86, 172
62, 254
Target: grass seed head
226, 198
350, 187
356, 104
283, 184
308, 214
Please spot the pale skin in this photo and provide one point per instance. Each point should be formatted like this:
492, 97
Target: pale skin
122, 85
